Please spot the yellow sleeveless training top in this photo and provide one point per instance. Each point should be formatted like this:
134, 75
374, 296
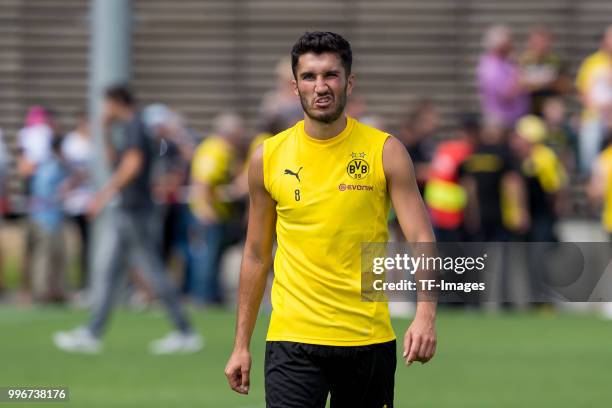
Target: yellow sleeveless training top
331, 196
605, 162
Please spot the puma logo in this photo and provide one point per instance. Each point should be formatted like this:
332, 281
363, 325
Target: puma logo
297, 175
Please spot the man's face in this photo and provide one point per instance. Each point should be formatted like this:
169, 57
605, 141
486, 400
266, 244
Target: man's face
429, 121
111, 109
322, 86
507, 45
520, 146
540, 42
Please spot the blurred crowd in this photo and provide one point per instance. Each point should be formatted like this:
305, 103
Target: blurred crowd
501, 174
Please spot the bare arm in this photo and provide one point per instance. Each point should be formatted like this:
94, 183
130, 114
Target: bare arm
256, 262
129, 167
184, 142
420, 338
514, 188
597, 184
204, 195
472, 210
109, 148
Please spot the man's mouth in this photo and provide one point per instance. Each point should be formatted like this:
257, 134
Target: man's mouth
323, 102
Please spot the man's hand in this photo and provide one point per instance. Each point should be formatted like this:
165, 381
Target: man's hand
256, 262
420, 341
206, 214
238, 371
98, 202
25, 167
94, 207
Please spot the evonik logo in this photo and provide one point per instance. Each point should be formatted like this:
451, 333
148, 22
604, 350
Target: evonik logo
354, 187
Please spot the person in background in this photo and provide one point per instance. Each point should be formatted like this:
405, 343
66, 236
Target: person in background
77, 151
215, 164
417, 134
34, 140
357, 106
34, 147
543, 71
175, 144
4, 166
239, 188
48, 188
280, 106
544, 177
132, 234
487, 174
375, 121
560, 135
594, 85
444, 196
600, 193
503, 95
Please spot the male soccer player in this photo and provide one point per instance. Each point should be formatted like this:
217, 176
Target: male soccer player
324, 186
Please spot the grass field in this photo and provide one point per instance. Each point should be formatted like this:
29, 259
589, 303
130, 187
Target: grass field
482, 361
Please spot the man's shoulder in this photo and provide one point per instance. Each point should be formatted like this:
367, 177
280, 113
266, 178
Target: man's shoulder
545, 155
136, 122
606, 155
487, 61
595, 59
281, 138
213, 146
371, 133
136, 131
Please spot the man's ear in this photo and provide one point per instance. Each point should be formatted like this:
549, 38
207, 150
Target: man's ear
350, 84
295, 87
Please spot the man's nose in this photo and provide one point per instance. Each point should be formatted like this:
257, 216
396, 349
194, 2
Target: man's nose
320, 85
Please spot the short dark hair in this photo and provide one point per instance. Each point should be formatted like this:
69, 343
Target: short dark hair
120, 93
319, 42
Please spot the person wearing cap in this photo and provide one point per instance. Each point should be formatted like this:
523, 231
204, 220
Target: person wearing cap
544, 177
34, 140
175, 145
34, 147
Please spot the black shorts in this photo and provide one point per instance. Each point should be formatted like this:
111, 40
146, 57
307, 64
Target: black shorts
302, 375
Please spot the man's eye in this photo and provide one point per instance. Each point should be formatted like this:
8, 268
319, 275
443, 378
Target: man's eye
308, 77
331, 75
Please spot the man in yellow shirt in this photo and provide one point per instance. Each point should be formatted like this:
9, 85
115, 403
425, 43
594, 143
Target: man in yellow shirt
600, 184
544, 177
215, 164
594, 85
600, 192
325, 186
